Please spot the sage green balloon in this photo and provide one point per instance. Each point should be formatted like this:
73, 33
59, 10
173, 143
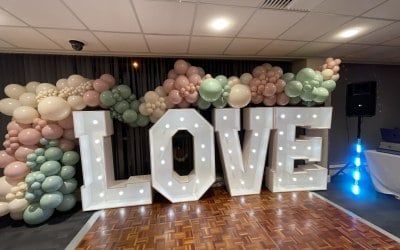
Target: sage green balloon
318, 77
34, 214
53, 143
121, 106
51, 200
203, 104
220, 103
67, 172
135, 105
133, 124
69, 186
31, 157
68, 203
40, 159
289, 76
53, 153
106, 98
307, 96
308, 87
305, 74
308, 103
320, 94
330, 85
129, 116
293, 88
39, 151
210, 90
70, 158
222, 80
52, 183
315, 83
124, 90
142, 120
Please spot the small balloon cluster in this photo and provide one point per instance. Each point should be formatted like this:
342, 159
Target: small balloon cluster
267, 87
312, 87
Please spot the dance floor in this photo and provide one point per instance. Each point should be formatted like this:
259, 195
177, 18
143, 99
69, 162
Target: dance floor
293, 220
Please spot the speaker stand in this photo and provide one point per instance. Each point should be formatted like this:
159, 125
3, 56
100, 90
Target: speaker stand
350, 163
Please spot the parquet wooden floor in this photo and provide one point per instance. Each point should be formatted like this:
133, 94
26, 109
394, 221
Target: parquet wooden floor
295, 220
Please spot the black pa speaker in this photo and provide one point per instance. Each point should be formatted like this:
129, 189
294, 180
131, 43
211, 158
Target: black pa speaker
361, 99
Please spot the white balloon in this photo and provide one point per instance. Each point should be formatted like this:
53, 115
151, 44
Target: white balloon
44, 87
25, 114
327, 74
28, 99
233, 80
62, 83
31, 86
14, 90
8, 105
245, 78
76, 102
4, 208
54, 108
239, 96
17, 205
75, 80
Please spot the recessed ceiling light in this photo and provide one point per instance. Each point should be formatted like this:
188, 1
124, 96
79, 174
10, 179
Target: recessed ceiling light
349, 33
219, 24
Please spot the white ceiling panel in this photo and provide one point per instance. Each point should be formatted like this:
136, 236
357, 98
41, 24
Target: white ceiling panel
343, 50
62, 37
388, 10
168, 44
365, 26
207, 12
246, 46
280, 48
166, 17
320, 23
105, 15
123, 42
18, 36
347, 7
381, 35
247, 3
208, 45
7, 19
270, 23
5, 45
312, 48
43, 13
394, 42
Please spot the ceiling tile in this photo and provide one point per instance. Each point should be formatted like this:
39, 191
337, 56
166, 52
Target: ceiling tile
320, 23
343, 50
166, 17
7, 19
26, 38
388, 10
208, 45
245, 46
5, 45
346, 7
312, 48
105, 15
270, 23
381, 35
167, 44
247, 3
206, 12
123, 42
62, 37
365, 25
394, 42
280, 48
43, 13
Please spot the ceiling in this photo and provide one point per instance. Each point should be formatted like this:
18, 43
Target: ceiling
180, 28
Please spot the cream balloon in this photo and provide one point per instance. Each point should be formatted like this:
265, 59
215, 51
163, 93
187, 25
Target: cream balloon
8, 105
4, 208
62, 83
75, 80
54, 108
44, 87
17, 205
25, 114
5, 187
31, 86
28, 99
14, 90
245, 78
327, 74
76, 102
233, 80
239, 96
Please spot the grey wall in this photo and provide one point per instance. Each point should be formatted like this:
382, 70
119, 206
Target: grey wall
343, 132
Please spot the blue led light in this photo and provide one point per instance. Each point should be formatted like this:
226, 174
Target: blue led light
355, 189
358, 148
356, 175
357, 161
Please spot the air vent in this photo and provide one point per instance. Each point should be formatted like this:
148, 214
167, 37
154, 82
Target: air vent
294, 5
276, 4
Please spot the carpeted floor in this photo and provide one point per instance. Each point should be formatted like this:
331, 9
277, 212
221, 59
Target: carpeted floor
379, 209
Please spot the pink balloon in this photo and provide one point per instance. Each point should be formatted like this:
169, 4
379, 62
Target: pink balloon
338, 61
91, 98
257, 71
282, 99
183, 104
201, 72
254, 82
6, 143
69, 134
280, 85
181, 66
181, 82
270, 100
331, 64
195, 78
192, 70
100, 85
335, 69
66, 145
192, 98
9, 151
270, 73
109, 79
13, 139
29, 136
14, 146
67, 123
16, 170
23, 151
52, 131
257, 99
270, 89
174, 96
13, 125
12, 133
168, 85
5, 159
278, 70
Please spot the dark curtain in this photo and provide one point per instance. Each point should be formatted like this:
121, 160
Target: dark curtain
130, 145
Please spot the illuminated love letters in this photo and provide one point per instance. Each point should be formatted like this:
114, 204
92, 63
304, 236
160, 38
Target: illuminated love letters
243, 166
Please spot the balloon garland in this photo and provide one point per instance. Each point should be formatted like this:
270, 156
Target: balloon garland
39, 160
